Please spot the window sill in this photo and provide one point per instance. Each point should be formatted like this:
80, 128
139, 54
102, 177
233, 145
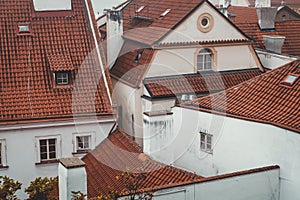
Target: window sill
46, 162
80, 152
3, 167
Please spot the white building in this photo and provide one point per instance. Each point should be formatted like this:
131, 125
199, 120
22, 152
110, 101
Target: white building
155, 39
250, 125
55, 99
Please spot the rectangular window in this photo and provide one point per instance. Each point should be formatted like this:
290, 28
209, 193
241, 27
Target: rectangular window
1, 163
206, 142
83, 142
23, 28
48, 149
62, 78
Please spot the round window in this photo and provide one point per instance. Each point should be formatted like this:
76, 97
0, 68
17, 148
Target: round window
205, 22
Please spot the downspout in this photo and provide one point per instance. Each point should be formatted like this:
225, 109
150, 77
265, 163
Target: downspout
98, 51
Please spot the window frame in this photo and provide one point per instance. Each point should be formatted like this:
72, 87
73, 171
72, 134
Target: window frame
201, 63
76, 149
57, 149
65, 80
3, 158
206, 140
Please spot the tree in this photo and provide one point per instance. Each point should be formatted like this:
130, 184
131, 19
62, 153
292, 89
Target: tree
78, 195
132, 187
41, 188
8, 188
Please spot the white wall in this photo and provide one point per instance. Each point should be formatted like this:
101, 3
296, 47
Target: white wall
43, 5
22, 154
183, 60
272, 61
237, 145
188, 30
254, 186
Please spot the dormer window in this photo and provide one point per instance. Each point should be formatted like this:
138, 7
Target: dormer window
62, 78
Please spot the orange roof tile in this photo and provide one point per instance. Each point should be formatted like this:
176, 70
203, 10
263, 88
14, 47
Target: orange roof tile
119, 153
246, 19
27, 87
204, 83
262, 99
126, 69
157, 27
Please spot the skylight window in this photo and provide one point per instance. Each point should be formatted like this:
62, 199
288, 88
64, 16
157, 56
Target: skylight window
24, 28
140, 9
165, 13
290, 79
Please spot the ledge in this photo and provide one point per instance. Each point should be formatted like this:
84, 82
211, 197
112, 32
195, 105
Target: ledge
3, 167
45, 162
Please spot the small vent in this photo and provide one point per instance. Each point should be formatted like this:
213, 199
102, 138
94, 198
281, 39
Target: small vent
164, 13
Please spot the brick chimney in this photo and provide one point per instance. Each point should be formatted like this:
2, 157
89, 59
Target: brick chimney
266, 18
71, 177
52, 5
274, 43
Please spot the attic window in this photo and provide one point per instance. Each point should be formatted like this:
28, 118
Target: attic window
290, 79
140, 9
23, 28
164, 13
62, 78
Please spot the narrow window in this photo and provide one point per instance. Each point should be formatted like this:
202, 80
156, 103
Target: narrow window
204, 60
47, 149
62, 78
206, 142
1, 162
83, 142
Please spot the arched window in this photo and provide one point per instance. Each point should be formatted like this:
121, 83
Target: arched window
204, 60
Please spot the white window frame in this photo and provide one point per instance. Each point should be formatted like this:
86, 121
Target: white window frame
3, 161
57, 147
91, 136
204, 60
206, 142
62, 78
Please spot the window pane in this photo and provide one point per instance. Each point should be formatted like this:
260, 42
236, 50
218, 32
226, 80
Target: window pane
52, 141
202, 141
43, 156
52, 155
43, 142
47, 149
209, 139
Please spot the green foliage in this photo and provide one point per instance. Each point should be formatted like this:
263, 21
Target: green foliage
78, 195
41, 188
8, 188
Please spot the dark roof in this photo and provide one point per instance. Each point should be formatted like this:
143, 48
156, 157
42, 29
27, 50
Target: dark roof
119, 153
57, 41
265, 98
202, 83
246, 19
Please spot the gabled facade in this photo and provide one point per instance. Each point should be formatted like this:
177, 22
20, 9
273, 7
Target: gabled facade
166, 39
55, 99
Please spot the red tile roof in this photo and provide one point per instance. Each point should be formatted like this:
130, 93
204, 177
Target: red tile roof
246, 19
204, 83
262, 99
149, 27
126, 69
119, 153
28, 61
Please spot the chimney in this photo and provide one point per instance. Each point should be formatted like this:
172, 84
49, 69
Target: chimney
72, 177
263, 3
52, 5
274, 43
266, 18
114, 35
